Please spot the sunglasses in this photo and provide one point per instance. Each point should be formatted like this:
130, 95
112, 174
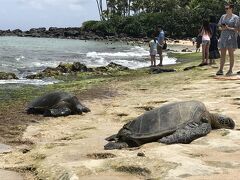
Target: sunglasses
227, 8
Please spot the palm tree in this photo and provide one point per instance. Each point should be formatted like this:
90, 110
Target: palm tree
100, 8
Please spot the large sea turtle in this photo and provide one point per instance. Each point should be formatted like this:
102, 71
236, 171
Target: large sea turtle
56, 104
180, 122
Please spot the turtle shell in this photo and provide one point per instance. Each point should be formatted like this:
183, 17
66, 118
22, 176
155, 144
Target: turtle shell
164, 120
51, 100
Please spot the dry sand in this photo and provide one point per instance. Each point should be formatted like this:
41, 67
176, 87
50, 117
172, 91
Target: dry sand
72, 147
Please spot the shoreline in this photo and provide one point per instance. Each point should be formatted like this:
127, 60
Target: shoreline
114, 100
76, 33
173, 48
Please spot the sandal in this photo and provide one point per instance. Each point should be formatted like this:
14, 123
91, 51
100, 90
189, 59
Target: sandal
229, 73
219, 73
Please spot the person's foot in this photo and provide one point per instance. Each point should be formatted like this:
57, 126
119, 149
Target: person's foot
219, 73
229, 73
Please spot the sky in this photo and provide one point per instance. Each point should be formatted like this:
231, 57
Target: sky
26, 14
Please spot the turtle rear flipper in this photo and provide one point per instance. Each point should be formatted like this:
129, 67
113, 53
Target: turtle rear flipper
81, 108
85, 109
63, 111
187, 134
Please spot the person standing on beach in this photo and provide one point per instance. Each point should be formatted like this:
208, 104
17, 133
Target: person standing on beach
198, 43
206, 34
153, 51
229, 26
160, 39
213, 50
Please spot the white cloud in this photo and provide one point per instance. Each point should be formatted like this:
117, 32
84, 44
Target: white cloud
25, 14
41, 4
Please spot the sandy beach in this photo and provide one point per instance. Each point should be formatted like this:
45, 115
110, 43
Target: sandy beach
72, 147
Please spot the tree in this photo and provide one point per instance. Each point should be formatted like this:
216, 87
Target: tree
100, 8
180, 18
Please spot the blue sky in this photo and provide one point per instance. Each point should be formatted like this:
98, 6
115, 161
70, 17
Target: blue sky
26, 14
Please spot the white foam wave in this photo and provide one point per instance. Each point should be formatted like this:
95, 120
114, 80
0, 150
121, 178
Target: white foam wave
19, 58
133, 52
140, 64
44, 64
29, 82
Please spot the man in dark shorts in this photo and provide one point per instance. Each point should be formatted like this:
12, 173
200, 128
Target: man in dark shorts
161, 38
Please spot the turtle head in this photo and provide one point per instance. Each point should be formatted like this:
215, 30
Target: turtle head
222, 121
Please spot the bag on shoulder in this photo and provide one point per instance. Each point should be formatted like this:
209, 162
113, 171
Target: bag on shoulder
238, 41
164, 45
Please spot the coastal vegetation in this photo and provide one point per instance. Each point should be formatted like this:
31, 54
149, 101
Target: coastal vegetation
139, 18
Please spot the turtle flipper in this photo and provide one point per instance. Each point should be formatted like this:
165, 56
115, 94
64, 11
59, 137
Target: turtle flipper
115, 145
56, 112
112, 138
187, 134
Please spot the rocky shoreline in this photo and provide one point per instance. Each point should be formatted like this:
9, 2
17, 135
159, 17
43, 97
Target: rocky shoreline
66, 68
77, 67
69, 33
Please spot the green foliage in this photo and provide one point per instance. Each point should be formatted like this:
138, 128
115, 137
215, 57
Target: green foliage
138, 18
89, 25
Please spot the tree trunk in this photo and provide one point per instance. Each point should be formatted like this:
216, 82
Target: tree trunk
99, 9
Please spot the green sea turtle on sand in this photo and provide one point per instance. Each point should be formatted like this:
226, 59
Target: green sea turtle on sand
180, 122
56, 104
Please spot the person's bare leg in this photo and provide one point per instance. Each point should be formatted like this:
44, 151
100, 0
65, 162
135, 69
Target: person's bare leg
207, 53
222, 62
231, 57
203, 53
223, 57
151, 60
161, 57
154, 60
210, 61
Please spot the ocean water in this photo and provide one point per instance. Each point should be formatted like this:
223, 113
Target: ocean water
25, 56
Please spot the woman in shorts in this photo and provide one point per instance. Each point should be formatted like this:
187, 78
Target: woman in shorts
206, 34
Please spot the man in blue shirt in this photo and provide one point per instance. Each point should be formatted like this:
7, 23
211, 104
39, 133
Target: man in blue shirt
161, 38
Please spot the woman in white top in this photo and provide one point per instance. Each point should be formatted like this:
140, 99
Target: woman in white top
206, 34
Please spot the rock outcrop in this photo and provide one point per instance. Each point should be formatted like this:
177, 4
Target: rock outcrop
76, 67
59, 70
7, 76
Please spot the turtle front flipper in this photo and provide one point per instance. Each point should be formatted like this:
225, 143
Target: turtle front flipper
115, 145
56, 112
187, 134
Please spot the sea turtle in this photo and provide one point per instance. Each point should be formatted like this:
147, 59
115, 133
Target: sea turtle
56, 104
180, 122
